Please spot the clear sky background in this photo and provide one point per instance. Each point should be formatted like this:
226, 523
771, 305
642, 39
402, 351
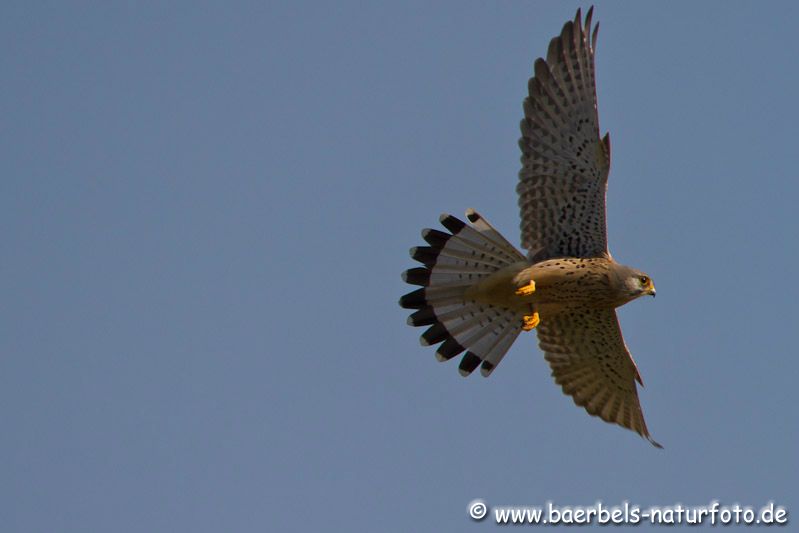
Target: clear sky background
207, 207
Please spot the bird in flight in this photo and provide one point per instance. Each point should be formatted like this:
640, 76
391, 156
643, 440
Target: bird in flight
478, 292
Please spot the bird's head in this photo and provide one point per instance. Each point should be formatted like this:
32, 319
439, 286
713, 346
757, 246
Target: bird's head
636, 284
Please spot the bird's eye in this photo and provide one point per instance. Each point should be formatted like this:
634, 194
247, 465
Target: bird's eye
644, 280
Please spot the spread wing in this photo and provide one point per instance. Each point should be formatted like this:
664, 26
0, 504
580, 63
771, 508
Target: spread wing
589, 360
565, 164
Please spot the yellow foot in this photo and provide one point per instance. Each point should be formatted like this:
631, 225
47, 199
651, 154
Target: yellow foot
527, 290
530, 321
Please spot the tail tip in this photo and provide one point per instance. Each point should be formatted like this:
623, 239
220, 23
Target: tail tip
413, 300
469, 362
453, 224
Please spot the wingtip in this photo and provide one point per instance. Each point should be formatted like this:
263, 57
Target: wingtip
594, 37
566, 33
654, 443
588, 19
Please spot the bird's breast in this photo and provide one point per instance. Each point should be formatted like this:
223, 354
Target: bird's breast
568, 282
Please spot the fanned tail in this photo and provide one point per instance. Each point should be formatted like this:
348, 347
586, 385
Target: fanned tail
453, 262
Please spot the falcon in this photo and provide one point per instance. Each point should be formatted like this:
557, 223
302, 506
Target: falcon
478, 292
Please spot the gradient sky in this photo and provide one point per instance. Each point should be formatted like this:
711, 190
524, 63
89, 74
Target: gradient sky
207, 207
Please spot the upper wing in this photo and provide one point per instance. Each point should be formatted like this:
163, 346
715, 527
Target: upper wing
565, 164
589, 360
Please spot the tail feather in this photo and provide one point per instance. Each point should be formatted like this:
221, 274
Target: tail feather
493, 346
469, 362
423, 317
481, 240
448, 349
413, 300
445, 292
434, 334
469, 325
417, 276
498, 351
458, 246
456, 260
464, 317
453, 262
482, 225
441, 278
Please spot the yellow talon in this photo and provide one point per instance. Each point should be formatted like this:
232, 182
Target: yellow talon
530, 321
527, 290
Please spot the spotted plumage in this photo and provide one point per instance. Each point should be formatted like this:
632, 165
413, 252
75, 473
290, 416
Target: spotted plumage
478, 292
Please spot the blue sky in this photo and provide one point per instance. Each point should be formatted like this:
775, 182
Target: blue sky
207, 207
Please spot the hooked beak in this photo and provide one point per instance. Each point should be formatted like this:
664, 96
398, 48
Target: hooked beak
649, 289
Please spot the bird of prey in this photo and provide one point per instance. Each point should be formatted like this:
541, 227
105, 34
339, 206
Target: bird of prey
478, 292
